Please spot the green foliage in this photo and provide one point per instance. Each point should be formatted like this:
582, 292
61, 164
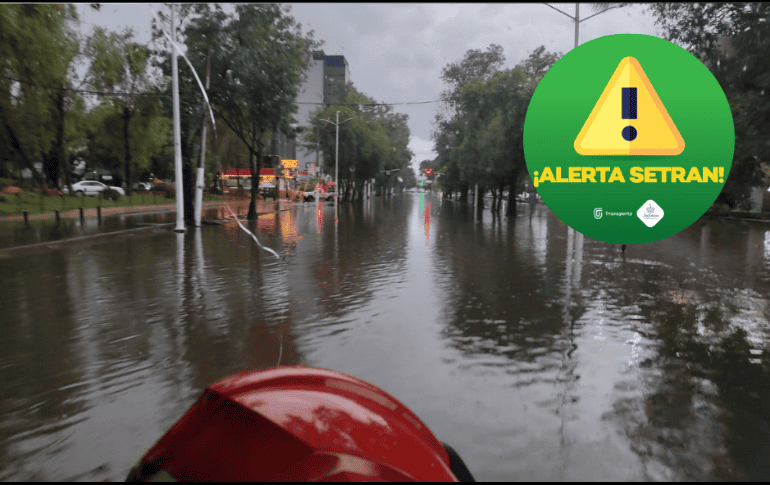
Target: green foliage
731, 39
373, 139
258, 57
6, 182
37, 46
120, 65
410, 178
110, 194
480, 138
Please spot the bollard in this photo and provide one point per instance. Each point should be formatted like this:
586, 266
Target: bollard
99, 213
56, 211
82, 219
26, 217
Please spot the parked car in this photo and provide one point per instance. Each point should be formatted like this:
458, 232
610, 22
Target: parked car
310, 196
91, 187
141, 186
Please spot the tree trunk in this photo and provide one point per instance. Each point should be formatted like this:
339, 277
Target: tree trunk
188, 184
256, 167
361, 183
17, 146
127, 149
464, 192
512, 183
494, 198
60, 149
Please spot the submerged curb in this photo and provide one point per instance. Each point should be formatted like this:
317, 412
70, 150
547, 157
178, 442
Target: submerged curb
107, 211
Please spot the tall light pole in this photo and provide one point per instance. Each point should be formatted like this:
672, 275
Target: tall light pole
577, 21
177, 136
337, 164
576, 18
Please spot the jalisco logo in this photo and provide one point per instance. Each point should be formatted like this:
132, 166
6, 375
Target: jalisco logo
650, 213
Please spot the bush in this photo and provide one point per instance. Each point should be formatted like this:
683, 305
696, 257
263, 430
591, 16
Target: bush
54, 192
167, 190
5, 182
110, 194
720, 209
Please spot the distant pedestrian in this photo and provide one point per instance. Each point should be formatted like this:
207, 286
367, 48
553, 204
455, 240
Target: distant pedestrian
532, 202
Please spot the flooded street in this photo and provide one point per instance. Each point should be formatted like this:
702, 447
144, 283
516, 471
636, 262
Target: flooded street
537, 353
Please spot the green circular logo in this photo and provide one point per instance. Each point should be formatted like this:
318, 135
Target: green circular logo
629, 139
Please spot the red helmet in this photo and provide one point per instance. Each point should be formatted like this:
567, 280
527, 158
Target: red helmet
299, 424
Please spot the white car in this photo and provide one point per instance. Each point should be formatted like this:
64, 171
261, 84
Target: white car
91, 187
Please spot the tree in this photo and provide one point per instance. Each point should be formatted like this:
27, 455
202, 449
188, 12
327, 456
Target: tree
258, 57
37, 47
481, 140
450, 127
148, 134
731, 39
121, 66
374, 140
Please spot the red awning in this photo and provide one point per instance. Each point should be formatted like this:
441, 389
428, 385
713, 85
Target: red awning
237, 172
245, 172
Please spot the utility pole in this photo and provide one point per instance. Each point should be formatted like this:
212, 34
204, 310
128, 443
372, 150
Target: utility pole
337, 169
202, 165
577, 19
337, 164
177, 136
577, 23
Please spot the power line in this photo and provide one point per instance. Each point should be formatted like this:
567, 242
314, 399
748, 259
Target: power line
83, 91
372, 104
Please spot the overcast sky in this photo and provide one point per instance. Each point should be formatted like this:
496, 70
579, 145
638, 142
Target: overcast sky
396, 51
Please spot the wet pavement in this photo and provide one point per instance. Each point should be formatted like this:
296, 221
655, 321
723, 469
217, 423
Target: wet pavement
537, 353
43, 228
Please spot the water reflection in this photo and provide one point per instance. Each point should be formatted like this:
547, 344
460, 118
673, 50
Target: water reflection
536, 352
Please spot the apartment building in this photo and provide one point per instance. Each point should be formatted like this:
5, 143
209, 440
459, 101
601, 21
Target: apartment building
326, 77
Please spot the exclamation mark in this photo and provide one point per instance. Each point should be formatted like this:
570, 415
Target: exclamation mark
629, 112
721, 175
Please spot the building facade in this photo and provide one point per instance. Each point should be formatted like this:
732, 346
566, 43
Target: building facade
326, 77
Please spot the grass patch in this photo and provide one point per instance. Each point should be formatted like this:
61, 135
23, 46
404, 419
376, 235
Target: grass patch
35, 203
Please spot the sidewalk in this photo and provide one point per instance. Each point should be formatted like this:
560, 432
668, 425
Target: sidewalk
43, 230
262, 206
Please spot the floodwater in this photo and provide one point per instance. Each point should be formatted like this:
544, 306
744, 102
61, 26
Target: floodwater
537, 353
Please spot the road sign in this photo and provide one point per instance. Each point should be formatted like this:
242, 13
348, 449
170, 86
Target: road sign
605, 134
629, 118
428, 172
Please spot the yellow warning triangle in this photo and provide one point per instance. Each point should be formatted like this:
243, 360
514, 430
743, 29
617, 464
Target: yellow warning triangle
653, 133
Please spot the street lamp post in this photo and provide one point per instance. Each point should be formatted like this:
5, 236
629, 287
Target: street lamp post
337, 164
576, 18
577, 21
